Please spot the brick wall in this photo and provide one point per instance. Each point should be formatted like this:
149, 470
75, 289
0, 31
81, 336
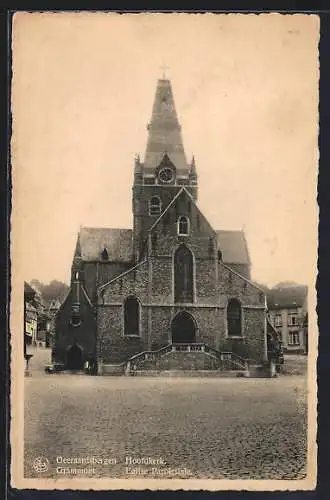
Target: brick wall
112, 345
134, 282
232, 285
211, 330
96, 274
214, 283
254, 331
161, 318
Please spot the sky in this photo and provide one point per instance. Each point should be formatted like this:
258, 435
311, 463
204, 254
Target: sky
246, 93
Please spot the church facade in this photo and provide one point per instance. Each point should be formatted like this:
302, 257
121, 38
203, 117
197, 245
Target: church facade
172, 279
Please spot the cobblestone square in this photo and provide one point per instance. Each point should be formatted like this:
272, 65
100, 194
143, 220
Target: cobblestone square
194, 427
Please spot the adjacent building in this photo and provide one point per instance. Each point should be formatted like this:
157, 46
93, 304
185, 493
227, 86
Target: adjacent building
30, 316
288, 313
36, 319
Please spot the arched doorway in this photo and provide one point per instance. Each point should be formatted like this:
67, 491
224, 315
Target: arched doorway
74, 357
183, 329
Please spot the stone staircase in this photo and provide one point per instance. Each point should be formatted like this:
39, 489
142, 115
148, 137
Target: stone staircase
187, 360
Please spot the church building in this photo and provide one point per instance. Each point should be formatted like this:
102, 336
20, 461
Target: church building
172, 280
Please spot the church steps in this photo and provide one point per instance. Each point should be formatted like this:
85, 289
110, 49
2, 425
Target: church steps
191, 373
194, 358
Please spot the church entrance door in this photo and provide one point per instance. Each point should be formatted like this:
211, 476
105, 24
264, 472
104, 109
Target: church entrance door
183, 329
74, 357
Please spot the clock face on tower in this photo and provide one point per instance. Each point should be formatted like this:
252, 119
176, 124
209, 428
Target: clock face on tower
166, 175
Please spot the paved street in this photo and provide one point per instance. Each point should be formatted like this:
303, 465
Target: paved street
201, 428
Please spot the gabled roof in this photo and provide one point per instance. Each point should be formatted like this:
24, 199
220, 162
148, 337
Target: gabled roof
233, 247
122, 275
232, 244
118, 242
33, 296
164, 132
181, 190
287, 297
247, 280
28, 290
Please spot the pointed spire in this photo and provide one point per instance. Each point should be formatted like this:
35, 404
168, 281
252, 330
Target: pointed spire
164, 131
193, 170
77, 253
193, 173
164, 68
137, 165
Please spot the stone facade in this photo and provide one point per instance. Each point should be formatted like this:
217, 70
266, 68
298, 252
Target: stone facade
173, 278
151, 283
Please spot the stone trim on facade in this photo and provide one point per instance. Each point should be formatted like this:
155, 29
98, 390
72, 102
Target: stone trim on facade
122, 275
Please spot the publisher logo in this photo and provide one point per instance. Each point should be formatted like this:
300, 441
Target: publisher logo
40, 464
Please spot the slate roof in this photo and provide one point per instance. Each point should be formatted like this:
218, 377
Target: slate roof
118, 242
287, 297
164, 132
233, 246
28, 290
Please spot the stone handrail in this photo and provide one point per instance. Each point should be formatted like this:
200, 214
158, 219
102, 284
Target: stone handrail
227, 360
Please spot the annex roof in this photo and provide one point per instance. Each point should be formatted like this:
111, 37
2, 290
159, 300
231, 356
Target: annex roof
118, 243
287, 297
233, 247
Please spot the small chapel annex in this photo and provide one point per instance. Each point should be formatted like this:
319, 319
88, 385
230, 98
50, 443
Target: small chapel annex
171, 280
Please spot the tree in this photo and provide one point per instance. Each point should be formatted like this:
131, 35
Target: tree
285, 284
55, 290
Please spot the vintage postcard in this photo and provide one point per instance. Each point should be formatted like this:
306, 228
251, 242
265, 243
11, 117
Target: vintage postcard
164, 251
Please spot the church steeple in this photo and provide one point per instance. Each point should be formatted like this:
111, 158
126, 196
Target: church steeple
165, 132
77, 268
164, 171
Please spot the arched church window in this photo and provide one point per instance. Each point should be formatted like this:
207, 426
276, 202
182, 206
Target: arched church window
155, 206
183, 275
183, 226
234, 318
131, 316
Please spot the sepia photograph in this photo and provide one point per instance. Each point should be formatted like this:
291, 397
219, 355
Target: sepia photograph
164, 251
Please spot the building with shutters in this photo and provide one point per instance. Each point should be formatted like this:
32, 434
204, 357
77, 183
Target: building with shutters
171, 279
288, 312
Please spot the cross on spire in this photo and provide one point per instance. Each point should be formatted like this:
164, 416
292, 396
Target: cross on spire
163, 67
